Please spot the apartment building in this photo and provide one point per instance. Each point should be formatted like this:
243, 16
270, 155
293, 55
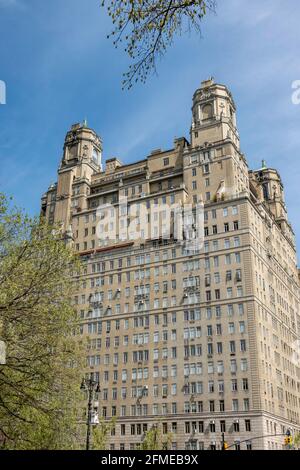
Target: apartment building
199, 338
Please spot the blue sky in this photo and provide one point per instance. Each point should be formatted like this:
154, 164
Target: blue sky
59, 68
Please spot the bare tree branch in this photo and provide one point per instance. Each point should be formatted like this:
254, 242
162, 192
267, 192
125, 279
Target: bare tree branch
148, 28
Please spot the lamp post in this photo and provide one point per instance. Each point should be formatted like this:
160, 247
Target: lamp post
90, 386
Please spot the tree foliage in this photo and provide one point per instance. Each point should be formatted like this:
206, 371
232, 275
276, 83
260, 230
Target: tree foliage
147, 28
155, 440
297, 440
101, 433
39, 384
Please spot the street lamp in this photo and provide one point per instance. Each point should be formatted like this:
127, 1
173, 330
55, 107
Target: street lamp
90, 386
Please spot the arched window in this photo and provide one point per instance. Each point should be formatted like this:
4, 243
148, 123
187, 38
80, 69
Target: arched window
207, 111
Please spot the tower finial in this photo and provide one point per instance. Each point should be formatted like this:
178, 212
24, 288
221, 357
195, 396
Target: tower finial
263, 164
85, 123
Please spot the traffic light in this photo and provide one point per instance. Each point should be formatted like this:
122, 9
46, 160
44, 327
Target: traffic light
288, 440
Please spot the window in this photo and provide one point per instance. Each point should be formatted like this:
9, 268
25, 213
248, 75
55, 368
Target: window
123, 429
246, 404
166, 161
208, 313
206, 168
237, 445
235, 225
209, 330
207, 112
245, 384
236, 242
226, 227
234, 385
237, 257
235, 406
218, 311
215, 245
241, 309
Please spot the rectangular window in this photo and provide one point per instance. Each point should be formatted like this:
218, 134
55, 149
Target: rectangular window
206, 168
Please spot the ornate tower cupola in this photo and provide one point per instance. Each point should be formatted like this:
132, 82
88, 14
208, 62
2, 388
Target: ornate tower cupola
82, 145
82, 158
214, 115
271, 192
